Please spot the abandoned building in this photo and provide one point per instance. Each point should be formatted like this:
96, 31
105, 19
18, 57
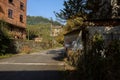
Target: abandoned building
105, 22
13, 12
108, 26
56, 30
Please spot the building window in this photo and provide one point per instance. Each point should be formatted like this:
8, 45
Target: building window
10, 13
21, 18
21, 6
10, 1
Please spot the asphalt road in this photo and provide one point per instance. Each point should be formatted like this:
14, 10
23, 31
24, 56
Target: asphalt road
45, 65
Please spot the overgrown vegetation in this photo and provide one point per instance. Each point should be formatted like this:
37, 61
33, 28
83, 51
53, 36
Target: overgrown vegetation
73, 13
39, 30
5, 56
60, 38
100, 65
6, 44
39, 27
99, 61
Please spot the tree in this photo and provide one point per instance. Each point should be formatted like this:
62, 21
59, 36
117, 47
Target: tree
98, 9
93, 9
73, 23
72, 8
73, 13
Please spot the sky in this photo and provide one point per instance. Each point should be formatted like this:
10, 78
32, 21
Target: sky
44, 8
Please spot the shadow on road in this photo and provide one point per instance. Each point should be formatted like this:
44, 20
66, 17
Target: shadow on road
31, 75
15, 69
59, 54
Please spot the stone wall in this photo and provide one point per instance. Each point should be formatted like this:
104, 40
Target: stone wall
107, 32
25, 46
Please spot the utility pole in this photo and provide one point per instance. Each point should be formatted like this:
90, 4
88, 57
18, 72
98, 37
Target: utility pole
28, 34
51, 31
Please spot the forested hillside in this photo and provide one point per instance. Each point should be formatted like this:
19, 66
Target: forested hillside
33, 20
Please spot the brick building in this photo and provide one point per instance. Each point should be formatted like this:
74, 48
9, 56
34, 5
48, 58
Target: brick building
14, 13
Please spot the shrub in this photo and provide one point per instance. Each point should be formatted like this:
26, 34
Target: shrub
100, 62
26, 49
5, 41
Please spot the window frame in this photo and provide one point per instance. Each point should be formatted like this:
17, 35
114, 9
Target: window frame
10, 13
10, 1
21, 18
21, 5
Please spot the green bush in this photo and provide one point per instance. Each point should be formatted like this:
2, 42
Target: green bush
5, 42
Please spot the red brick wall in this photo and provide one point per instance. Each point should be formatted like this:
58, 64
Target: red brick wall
5, 5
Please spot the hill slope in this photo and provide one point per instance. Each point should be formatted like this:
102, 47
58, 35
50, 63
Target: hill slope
33, 20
